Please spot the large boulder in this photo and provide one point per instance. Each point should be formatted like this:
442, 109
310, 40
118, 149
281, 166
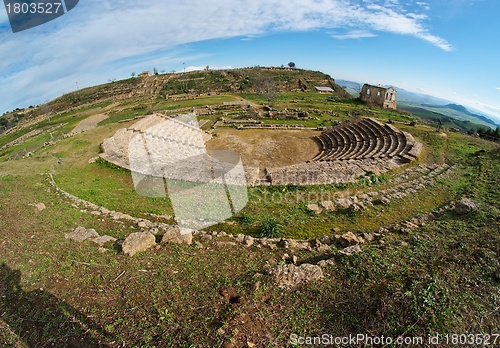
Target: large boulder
138, 242
289, 276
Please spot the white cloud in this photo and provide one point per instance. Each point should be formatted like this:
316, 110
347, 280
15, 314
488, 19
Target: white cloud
44, 61
424, 5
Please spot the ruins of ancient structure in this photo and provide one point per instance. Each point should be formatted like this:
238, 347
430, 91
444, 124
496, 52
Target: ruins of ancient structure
347, 151
379, 95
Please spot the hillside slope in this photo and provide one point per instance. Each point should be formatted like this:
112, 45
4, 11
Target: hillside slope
265, 81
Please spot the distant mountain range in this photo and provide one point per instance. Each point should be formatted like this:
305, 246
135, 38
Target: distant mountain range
432, 108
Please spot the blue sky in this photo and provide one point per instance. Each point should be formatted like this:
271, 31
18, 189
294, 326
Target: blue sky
445, 48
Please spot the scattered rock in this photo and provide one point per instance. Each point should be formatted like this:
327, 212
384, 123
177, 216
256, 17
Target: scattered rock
81, 233
410, 225
383, 230
349, 239
354, 207
39, 206
249, 241
304, 246
315, 207
369, 237
384, 200
289, 276
328, 205
343, 203
240, 238
206, 237
350, 250
326, 240
324, 263
137, 242
174, 235
323, 248
292, 243
464, 206
102, 240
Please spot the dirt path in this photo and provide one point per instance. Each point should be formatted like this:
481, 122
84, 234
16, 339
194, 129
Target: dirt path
267, 148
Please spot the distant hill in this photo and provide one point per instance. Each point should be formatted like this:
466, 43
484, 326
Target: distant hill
461, 112
353, 88
432, 108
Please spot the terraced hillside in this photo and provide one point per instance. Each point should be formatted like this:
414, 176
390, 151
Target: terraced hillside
407, 247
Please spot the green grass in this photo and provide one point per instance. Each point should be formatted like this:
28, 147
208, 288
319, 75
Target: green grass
112, 188
127, 114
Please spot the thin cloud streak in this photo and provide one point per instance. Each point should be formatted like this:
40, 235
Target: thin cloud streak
354, 34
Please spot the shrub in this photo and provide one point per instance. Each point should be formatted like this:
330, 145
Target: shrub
270, 228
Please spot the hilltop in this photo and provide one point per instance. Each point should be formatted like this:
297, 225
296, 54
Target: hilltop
265, 81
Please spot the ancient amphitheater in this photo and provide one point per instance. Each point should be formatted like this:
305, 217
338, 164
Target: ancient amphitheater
347, 151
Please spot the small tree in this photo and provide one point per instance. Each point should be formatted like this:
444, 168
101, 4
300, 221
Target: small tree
155, 71
291, 65
133, 74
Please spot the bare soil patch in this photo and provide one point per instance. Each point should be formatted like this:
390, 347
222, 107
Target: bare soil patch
89, 123
267, 148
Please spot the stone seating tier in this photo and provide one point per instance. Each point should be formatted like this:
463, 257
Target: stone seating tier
366, 138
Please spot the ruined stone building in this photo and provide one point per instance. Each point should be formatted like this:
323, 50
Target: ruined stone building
379, 95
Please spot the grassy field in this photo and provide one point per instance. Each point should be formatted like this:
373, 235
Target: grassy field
438, 279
